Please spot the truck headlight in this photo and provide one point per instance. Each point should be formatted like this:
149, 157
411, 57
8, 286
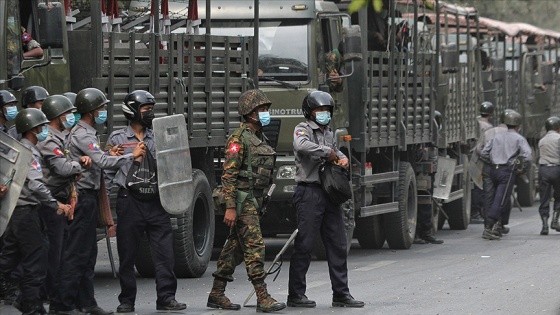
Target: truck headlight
286, 172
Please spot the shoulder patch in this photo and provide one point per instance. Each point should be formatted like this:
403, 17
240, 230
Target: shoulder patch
36, 165
94, 146
58, 152
300, 133
233, 148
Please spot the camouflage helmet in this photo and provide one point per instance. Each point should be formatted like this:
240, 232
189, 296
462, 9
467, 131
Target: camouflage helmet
33, 94
71, 96
56, 105
6, 98
29, 118
316, 99
486, 108
89, 99
552, 123
250, 100
503, 115
512, 118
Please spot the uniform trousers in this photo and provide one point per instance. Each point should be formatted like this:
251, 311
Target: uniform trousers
25, 246
56, 225
503, 181
549, 179
75, 288
134, 218
317, 214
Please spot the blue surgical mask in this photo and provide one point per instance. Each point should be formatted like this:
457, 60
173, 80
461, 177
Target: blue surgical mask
78, 116
70, 121
43, 135
102, 118
11, 113
264, 118
323, 118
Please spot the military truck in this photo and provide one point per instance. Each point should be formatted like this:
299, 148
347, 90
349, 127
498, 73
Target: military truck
522, 74
384, 120
200, 76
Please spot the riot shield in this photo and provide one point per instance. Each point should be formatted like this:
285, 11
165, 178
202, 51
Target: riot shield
475, 169
173, 163
14, 166
444, 177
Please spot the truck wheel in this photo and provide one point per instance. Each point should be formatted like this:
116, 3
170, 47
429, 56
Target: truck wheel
369, 232
193, 235
526, 191
459, 211
400, 226
350, 224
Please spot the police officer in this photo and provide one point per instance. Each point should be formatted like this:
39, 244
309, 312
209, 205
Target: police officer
549, 173
313, 145
508, 153
59, 172
33, 96
75, 289
248, 167
8, 112
72, 97
477, 198
138, 216
24, 241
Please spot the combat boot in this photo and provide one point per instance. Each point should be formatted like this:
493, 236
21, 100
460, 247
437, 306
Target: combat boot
554, 224
217, 298
489, 232
265, 303
544, 230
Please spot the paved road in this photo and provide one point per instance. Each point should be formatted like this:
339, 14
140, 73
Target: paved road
465, 275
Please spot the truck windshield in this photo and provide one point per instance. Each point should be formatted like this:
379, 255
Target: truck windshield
283, 46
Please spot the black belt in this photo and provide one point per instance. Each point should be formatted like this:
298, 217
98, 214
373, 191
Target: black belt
549, 165
88, 192
309, 184
501, 165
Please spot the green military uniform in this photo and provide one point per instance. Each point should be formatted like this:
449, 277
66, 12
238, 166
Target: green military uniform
333, 62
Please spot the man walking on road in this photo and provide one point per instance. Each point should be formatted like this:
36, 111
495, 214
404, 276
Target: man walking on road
549, 173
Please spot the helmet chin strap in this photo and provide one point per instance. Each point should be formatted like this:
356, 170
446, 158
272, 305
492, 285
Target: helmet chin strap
256, 121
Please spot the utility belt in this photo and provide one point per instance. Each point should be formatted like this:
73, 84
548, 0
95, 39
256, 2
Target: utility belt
548, 165
497, 166
91, 192
309, 184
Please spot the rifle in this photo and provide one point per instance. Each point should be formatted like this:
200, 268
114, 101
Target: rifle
277, 262
266, 200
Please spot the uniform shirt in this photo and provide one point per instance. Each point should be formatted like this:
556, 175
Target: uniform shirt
58, 169
549, 149
83, 141
484, 125
309, 154
34, 192
333, 62
11, 131
506, 147
489, 135
124, 136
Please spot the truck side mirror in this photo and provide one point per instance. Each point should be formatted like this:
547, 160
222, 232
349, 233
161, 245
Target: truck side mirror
50, 17
352, 43
449, 58
498, 69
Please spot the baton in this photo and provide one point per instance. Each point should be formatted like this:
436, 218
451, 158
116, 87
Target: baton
274, 263
266, 199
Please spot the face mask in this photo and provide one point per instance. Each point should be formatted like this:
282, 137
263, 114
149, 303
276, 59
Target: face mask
323, 118
43, 135
77, 116
11, 113
70, 121
264, 118
102, 118
147, 118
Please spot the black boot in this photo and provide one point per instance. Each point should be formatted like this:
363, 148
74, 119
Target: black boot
544, 230
554, 224
489, 232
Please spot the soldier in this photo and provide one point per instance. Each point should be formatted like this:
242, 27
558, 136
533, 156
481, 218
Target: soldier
313, 144
549, 173
33, 96
24, 241
508, 153
137, 216
9, 111
477, 198
248, 168
58, 172
31, 47
333, 65
75, 289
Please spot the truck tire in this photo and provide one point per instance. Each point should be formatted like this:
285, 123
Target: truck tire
459, 210
526, 191
319, 249
369, 232
400, 226
193, 235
